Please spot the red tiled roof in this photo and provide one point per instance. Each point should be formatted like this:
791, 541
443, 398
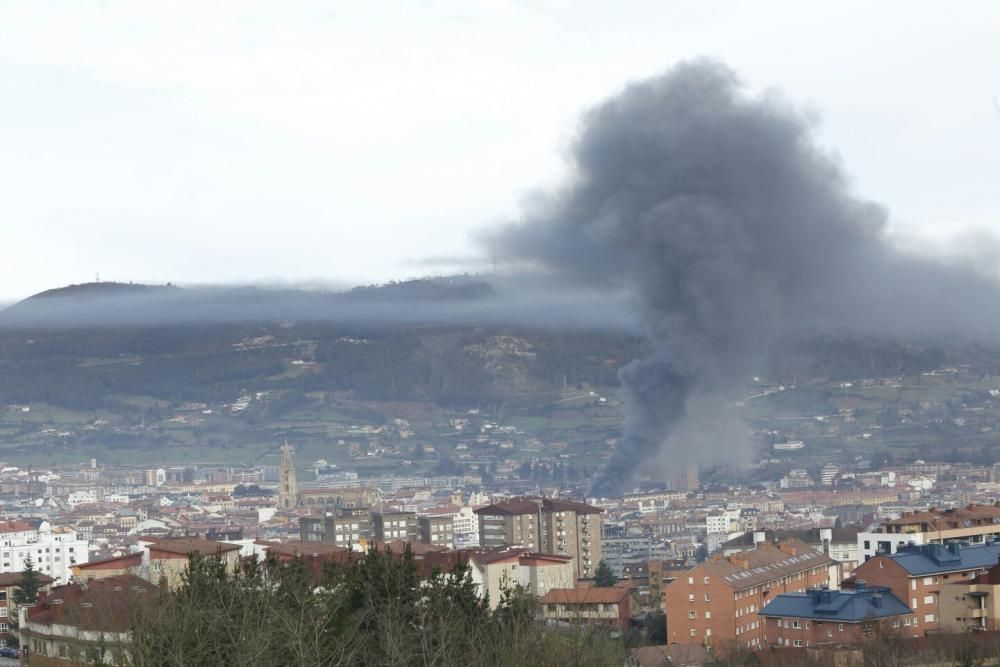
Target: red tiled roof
610, 595
184, 546
101, 604
531, 506
113, 563
16, 526
14, 578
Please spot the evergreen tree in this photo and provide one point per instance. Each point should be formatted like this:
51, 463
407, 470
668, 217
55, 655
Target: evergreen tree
603, 576
28, 587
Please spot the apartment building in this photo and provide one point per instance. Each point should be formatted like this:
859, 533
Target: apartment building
973, 524
971, 605
546, 525
348, 528
437, 531
917, 574
824, 616
388, 526
53, 551
716, 603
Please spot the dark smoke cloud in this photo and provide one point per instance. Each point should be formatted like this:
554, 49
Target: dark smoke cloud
733, 231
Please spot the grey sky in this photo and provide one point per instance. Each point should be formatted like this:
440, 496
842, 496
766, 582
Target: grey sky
213, 142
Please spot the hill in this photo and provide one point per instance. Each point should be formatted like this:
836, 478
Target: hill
161, 372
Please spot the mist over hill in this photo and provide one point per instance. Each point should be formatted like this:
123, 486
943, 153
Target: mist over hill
532, 301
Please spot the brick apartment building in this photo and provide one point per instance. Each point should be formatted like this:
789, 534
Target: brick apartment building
546, 525
823, 616
716, 603
917, 574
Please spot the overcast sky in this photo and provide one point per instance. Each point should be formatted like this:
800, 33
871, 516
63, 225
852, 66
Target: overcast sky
211, 142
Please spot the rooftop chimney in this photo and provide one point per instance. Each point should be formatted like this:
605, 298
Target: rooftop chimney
759, 537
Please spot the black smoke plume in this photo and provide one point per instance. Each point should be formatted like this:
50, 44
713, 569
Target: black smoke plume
733, 231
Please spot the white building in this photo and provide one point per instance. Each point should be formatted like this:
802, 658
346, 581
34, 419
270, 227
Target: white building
82, 497
466, 521
53, 551
722, 522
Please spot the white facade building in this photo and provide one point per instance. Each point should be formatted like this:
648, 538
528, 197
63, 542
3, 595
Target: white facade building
53, 551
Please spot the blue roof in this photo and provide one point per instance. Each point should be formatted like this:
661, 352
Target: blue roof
845, 606
926, 559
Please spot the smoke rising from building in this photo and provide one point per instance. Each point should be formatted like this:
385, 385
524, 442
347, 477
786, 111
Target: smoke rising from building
733, 231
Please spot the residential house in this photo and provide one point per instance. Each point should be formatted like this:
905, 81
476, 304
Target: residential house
167, 559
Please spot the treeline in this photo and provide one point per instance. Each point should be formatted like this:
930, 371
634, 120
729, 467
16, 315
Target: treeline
376, 612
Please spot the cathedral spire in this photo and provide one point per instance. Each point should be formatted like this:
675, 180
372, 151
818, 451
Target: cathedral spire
288, 492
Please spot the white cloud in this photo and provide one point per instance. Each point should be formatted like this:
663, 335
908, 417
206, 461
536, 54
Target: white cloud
200, 141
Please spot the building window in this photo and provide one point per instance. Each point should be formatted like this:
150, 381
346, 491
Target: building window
708, 614
708, 632
690, 580
694, 632
690, 597
692, 615
929, 618
928, 599
708, 598
797, 642
706, 581
840, 627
